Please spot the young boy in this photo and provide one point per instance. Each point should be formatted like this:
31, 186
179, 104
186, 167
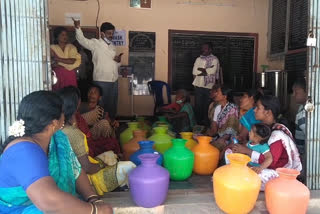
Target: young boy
300, 96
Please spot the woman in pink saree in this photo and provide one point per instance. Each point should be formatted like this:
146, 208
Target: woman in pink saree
65, 59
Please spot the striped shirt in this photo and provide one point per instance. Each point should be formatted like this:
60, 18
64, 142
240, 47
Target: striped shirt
300, 128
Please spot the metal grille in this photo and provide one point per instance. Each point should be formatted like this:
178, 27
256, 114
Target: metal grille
313, 122
278, 26
298, 24
296, 66
24, 55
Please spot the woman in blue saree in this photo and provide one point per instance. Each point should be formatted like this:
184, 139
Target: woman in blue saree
39, 173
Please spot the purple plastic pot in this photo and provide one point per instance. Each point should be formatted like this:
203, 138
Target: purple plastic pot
149, 182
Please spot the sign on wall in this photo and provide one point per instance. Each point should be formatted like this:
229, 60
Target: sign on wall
68, 18
140, 3
119, 38
142, 58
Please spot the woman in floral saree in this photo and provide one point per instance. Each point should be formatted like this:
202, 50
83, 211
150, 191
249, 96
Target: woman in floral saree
225, 122
96, 124
104, 178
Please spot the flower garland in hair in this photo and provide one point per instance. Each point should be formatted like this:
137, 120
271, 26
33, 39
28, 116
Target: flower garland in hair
17, 129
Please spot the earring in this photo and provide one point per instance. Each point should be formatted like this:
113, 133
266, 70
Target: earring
62, 126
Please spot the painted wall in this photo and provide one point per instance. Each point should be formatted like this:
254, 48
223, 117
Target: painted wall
249, 16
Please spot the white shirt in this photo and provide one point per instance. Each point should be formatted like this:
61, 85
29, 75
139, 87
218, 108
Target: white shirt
217, 111
105, 68
199, 80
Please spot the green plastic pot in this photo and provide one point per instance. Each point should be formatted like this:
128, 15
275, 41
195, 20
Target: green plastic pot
179, 160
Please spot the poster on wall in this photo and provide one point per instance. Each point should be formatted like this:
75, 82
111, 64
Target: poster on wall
142, 58
119, 38
69, 16
140, 3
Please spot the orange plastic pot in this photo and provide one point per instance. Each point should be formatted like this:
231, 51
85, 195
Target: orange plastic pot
206, 156
286, 195
236, 187
132, 146
127, 134
188, 136
143, 125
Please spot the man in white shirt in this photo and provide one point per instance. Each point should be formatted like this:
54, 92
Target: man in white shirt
106, 63
206, 73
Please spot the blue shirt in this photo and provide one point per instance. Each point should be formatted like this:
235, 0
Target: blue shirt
261, 148
22, 164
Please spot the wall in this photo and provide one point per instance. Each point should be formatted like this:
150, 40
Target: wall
249, 16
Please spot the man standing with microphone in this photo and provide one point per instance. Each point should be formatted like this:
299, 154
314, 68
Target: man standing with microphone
106, 64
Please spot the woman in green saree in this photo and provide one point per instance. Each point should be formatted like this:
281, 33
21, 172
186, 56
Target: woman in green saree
39, 173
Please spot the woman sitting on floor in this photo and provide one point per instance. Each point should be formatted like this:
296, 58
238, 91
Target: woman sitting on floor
282, 147
96, 125
247, 118
180, 114
104, 178
225, 122
39, 173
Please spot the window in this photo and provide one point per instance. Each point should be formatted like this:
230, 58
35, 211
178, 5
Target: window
288, 26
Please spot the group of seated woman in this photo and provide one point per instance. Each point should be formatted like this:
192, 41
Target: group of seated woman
39, 172
268, 149
254, 124
46, 164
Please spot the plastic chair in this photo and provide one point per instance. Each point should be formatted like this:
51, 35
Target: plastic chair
155, 88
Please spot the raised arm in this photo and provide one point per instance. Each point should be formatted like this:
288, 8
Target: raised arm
86, 43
